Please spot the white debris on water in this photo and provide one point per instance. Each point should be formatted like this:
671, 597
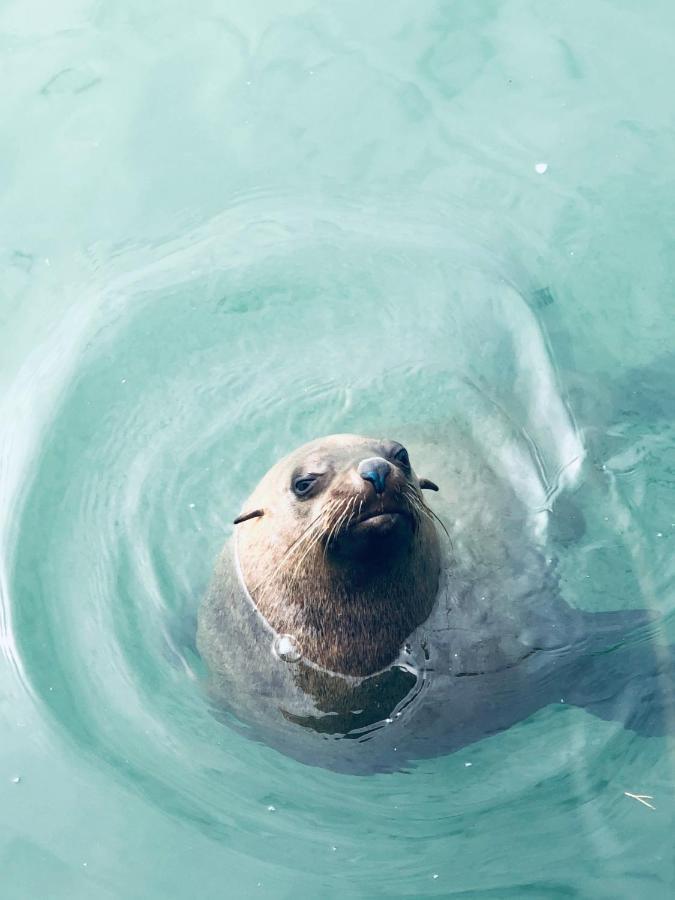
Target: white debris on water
644, 799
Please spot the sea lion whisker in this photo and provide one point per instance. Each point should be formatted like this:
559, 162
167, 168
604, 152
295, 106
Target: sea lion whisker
301, 553
351, 515
319, 527
294, 546
347, 517
316, 537
312, 541
432, 515
428, 512
349, 511
306, 535
332, 523
336, 526
339, 518
306, 551
413, 501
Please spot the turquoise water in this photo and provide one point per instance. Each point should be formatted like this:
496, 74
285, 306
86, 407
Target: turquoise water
230, 230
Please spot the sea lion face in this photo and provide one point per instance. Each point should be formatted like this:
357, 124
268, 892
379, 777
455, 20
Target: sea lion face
335, 535
359, 496
364, 491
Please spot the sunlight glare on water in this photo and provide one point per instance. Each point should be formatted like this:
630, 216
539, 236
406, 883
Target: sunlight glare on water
229, 229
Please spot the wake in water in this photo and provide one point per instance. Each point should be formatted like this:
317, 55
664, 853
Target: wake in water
204, 362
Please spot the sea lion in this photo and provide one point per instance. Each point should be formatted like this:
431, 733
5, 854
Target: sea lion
344, 555
348, 606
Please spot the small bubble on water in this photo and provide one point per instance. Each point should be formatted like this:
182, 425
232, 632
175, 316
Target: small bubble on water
286, 648
540, 168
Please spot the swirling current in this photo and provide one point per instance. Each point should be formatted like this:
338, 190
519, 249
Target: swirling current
303, 221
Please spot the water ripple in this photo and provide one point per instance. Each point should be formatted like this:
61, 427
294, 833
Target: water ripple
208, 357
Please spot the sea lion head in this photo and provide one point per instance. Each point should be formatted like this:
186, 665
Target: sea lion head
338, 549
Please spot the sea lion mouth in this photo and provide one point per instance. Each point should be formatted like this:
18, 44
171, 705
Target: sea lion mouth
383, 517
386, 524
375, 537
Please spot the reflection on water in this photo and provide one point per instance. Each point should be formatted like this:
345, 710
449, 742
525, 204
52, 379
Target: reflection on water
174, 327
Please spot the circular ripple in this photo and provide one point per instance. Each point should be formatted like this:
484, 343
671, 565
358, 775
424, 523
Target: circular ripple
209, 359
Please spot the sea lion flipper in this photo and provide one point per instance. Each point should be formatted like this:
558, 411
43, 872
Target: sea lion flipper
634, 684
603, 630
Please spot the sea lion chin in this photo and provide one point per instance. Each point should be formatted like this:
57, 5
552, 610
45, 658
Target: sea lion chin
337, 547
377, 536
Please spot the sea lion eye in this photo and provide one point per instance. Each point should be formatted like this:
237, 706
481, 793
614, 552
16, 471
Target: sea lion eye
401, 456
303, 485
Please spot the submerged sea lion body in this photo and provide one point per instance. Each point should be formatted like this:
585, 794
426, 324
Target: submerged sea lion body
439, 639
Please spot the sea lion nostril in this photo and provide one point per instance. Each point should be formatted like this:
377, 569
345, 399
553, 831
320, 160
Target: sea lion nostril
375, 469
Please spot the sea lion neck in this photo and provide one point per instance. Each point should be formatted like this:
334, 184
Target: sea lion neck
353, 619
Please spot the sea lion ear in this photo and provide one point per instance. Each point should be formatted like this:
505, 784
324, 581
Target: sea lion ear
244, 517
426, 485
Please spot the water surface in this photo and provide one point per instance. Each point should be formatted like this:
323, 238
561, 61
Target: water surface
228, 231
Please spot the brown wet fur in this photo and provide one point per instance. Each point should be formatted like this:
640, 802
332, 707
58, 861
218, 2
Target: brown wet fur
349, 594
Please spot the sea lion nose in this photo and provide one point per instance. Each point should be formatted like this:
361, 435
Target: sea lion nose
375, 469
